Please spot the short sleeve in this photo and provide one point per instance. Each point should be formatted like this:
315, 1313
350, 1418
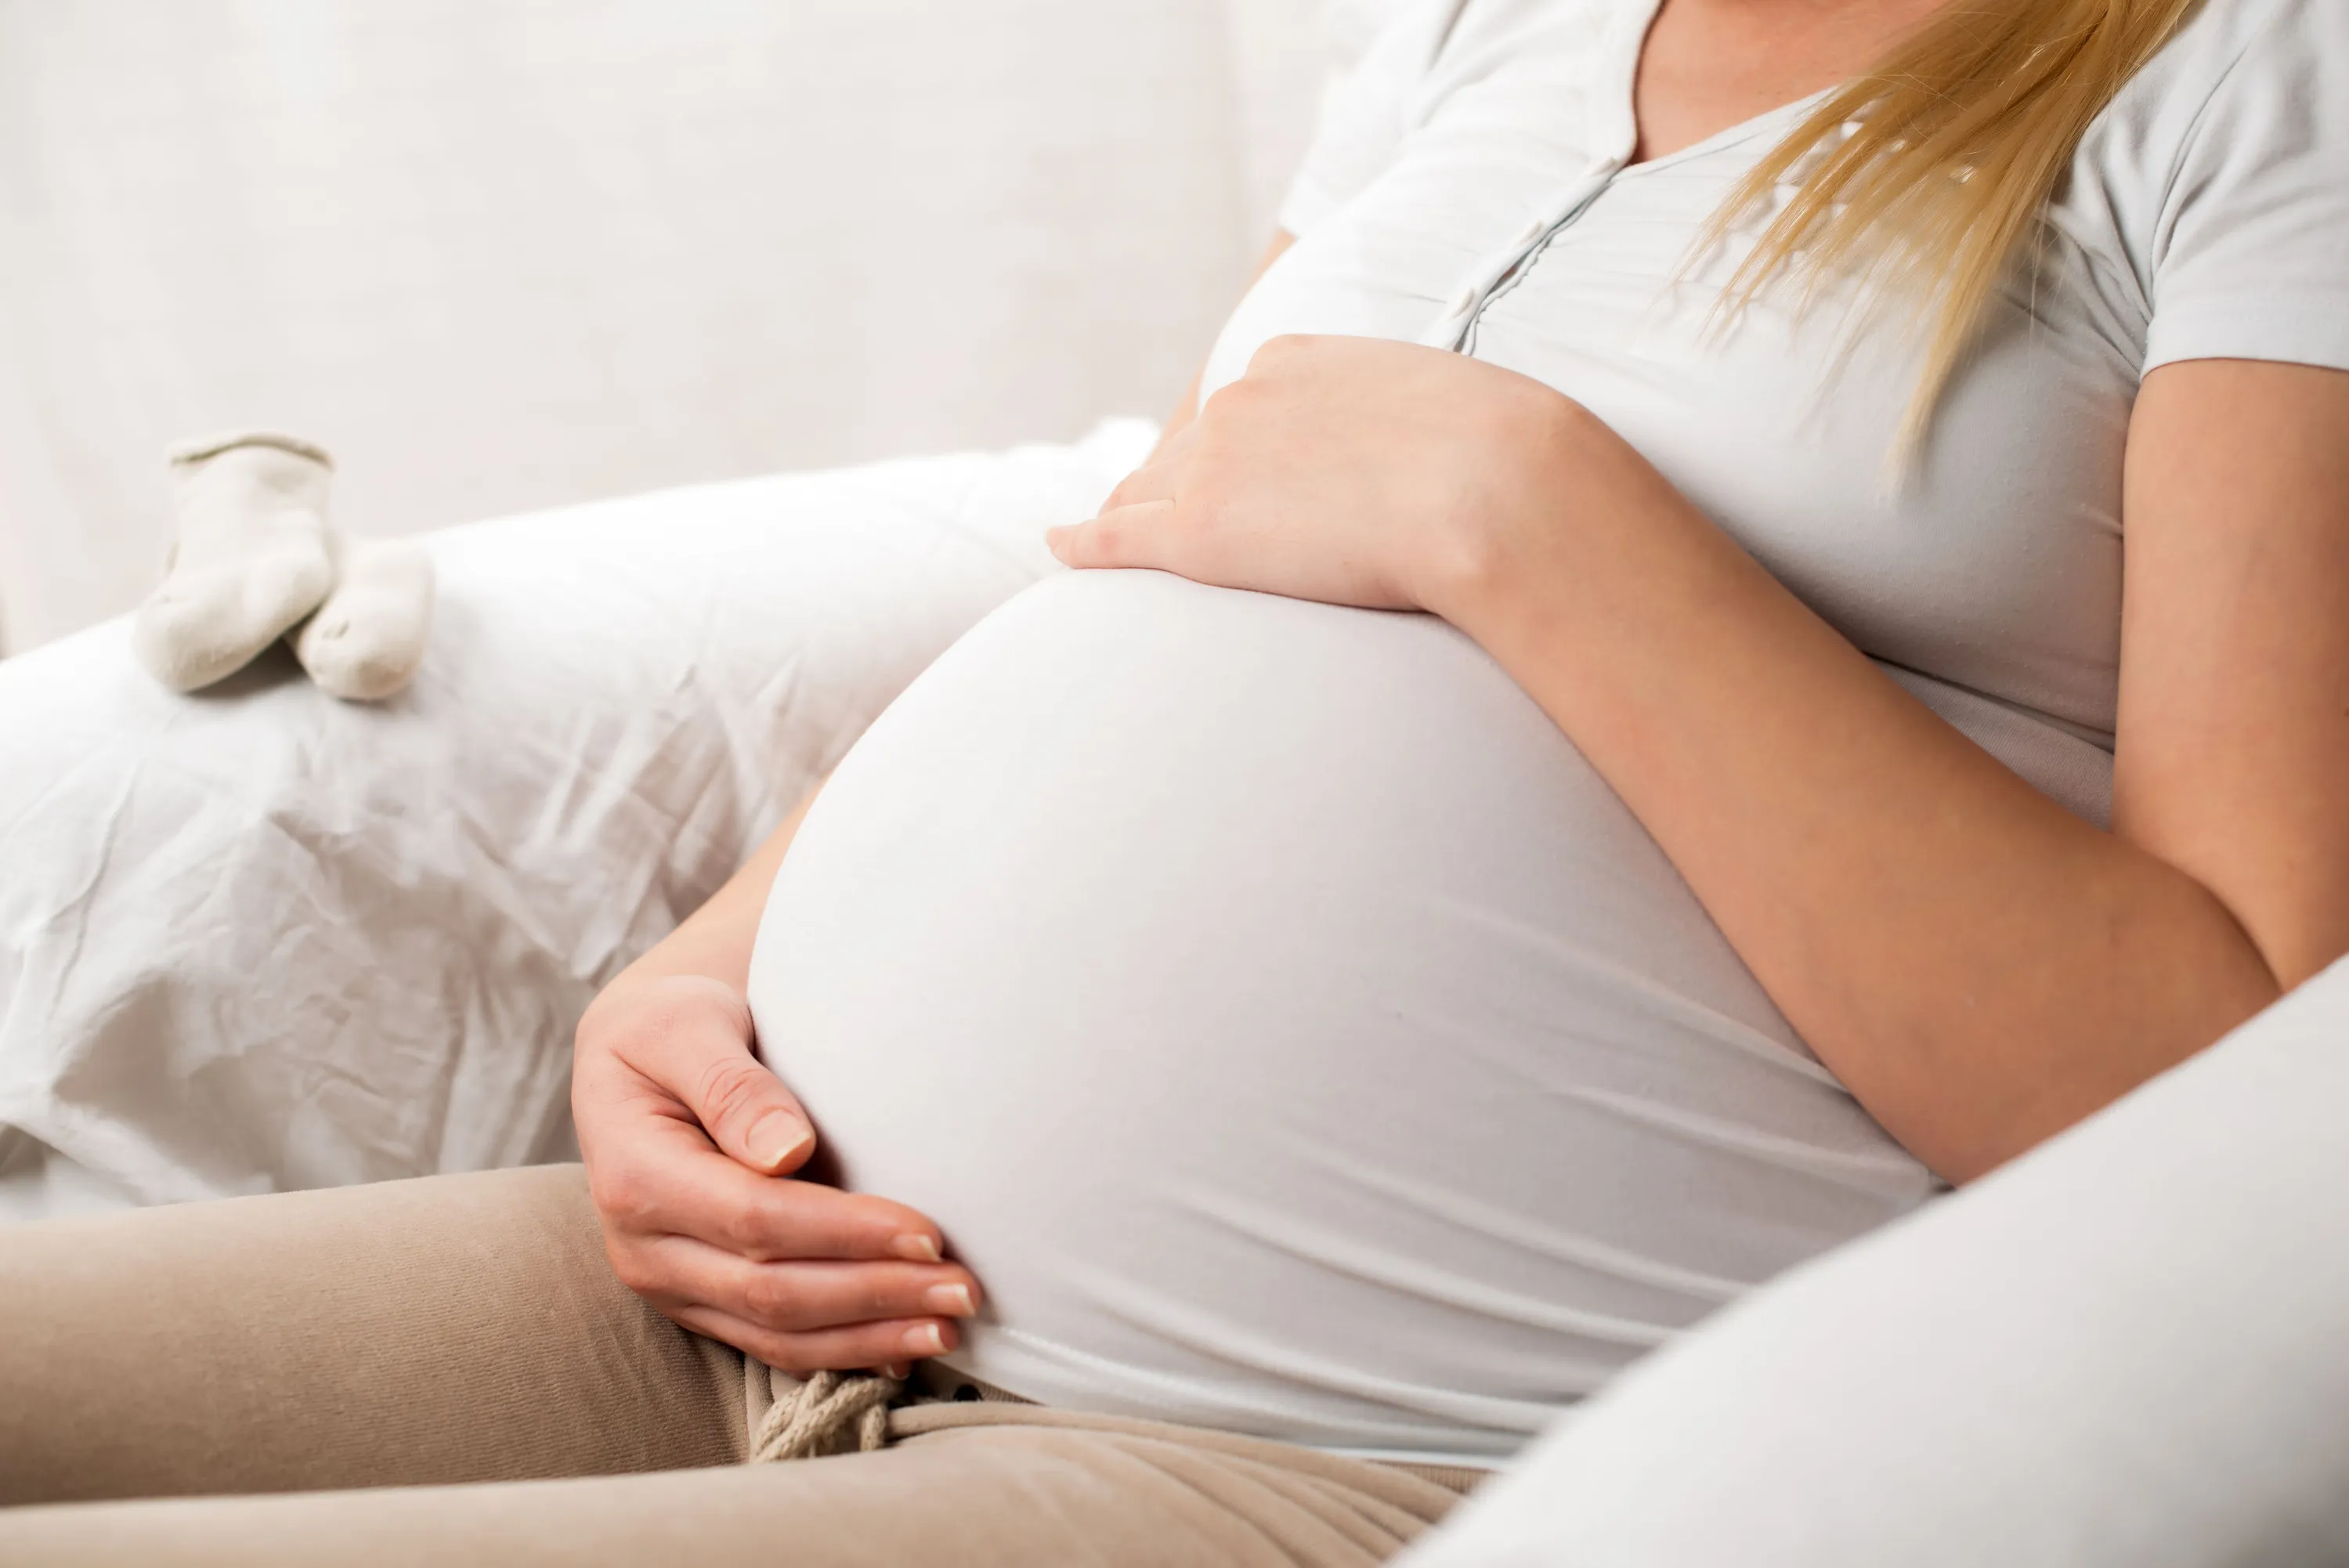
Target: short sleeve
1381, 50
2252, 258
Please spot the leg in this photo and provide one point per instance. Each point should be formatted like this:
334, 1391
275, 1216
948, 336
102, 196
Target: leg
967, 1486
456, 1328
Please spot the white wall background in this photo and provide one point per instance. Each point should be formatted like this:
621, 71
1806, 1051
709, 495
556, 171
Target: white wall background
502, 254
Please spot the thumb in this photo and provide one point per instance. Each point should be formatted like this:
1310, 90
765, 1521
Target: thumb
754, 1119
1121, 536
700, 1053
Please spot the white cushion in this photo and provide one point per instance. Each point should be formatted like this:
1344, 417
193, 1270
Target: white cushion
259, 939
2129, 1349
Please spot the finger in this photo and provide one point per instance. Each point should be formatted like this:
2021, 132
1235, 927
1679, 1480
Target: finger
1125, 536
665, 1179
797, 1297
874, 1346
701, 1054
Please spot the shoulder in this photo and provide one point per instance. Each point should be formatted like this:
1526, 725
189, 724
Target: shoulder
2284, 61
1486, 36
1417, 50
1396, 65
2217, 179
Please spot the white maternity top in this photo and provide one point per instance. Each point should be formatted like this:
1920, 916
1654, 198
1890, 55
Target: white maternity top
1287, 1025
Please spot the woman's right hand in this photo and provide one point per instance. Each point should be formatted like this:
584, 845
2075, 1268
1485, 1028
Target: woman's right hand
690, 1144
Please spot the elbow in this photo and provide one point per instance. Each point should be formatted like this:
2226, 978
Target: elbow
2087, 1064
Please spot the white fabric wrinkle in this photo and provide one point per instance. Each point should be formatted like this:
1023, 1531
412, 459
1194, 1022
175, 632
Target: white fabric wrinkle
1234, 1342
1275, 1227
1659, 1002
1862, 1172
72, 911
1193, 1400
1457, 1208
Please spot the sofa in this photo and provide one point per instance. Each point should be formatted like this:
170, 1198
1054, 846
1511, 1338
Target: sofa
669, 284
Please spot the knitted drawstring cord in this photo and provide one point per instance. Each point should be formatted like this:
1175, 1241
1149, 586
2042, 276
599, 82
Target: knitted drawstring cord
830, 1413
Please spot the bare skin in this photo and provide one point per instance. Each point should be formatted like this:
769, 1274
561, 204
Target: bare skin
1713, 64
1934, 927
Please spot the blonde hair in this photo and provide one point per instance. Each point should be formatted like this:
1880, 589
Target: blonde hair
1958, 138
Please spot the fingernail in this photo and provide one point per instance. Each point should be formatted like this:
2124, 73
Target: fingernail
898, 1369
777, 1136
929, 1339
949, 1300
916, 1249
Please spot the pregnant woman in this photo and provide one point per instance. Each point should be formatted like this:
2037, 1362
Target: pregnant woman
1752, 618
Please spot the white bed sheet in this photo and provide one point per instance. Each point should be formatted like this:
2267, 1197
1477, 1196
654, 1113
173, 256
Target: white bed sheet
258, 939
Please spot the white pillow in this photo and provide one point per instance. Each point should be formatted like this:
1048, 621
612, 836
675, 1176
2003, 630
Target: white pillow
259, 939
2129, 1349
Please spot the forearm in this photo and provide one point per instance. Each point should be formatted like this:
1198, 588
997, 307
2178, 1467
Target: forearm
1980, 968
715, 941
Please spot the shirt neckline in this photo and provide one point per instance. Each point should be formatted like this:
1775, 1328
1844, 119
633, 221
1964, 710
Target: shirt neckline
1614, 106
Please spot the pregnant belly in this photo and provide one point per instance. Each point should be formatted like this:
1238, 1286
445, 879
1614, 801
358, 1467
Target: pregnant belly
1287, 1026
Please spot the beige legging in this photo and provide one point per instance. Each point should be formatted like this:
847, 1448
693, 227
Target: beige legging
329, 1378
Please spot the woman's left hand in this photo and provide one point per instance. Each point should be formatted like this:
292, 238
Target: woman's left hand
1350, 469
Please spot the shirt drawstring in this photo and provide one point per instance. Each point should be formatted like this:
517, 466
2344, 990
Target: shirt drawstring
830, 1413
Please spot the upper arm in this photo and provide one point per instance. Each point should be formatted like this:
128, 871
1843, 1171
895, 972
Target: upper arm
2234, 754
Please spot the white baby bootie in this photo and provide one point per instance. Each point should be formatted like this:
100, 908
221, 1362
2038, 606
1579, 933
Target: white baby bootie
367, 639
251, 559
256, 559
